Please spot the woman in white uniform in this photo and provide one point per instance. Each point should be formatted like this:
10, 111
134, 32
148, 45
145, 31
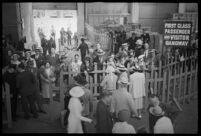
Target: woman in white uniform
75, 107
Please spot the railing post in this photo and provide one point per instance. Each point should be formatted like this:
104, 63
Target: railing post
95, 79
8, 105
180, 82
164, 86
185, 80
174, 79
51, 103
61, 91
169, 79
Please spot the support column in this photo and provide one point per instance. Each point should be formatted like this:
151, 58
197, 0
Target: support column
182, 8
135, 11
80, 18
19, 21
26, 13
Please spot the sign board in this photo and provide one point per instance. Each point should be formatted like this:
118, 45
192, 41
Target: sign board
177, 33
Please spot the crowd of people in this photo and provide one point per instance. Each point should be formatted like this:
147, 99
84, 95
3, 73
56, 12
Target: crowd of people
30, 72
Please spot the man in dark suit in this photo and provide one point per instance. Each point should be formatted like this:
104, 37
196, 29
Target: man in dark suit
145, 37
84, 50
132, 42
39, 58
51, 44
103, 116
53, 58
26, 83
99, 59
44, 44
35, 71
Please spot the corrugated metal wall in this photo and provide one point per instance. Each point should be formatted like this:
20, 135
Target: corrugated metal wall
153, 14
98, 12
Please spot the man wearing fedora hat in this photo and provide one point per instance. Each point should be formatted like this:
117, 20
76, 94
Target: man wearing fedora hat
170, 110
84, 49
132, 42
29, 58
44, 44
121, 99
163, 124
38, 56
103, 117
145, 36
26, 83
15, 59
99, 59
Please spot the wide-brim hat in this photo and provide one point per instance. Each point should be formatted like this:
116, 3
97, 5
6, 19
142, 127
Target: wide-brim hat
110, 69
141, 57
100, 52
139, 42
63, 56
15, 54
124, 115
76, 91
156, 111
152, 51
38, 49
125, 44
28, 51
80, 79
33, 52
83, 38
121, 68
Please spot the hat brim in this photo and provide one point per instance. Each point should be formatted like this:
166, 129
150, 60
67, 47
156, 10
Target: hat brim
100, 53
80, 82
18, 56
151, 111
75, 93
122, 68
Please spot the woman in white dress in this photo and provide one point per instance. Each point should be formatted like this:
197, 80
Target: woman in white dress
75, 107
47, 76
137, 86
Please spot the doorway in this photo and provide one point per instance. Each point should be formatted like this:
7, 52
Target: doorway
49, 21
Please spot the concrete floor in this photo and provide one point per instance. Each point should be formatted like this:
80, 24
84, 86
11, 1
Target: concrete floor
187, 122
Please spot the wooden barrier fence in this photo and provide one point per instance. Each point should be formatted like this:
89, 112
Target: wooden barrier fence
175, 80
